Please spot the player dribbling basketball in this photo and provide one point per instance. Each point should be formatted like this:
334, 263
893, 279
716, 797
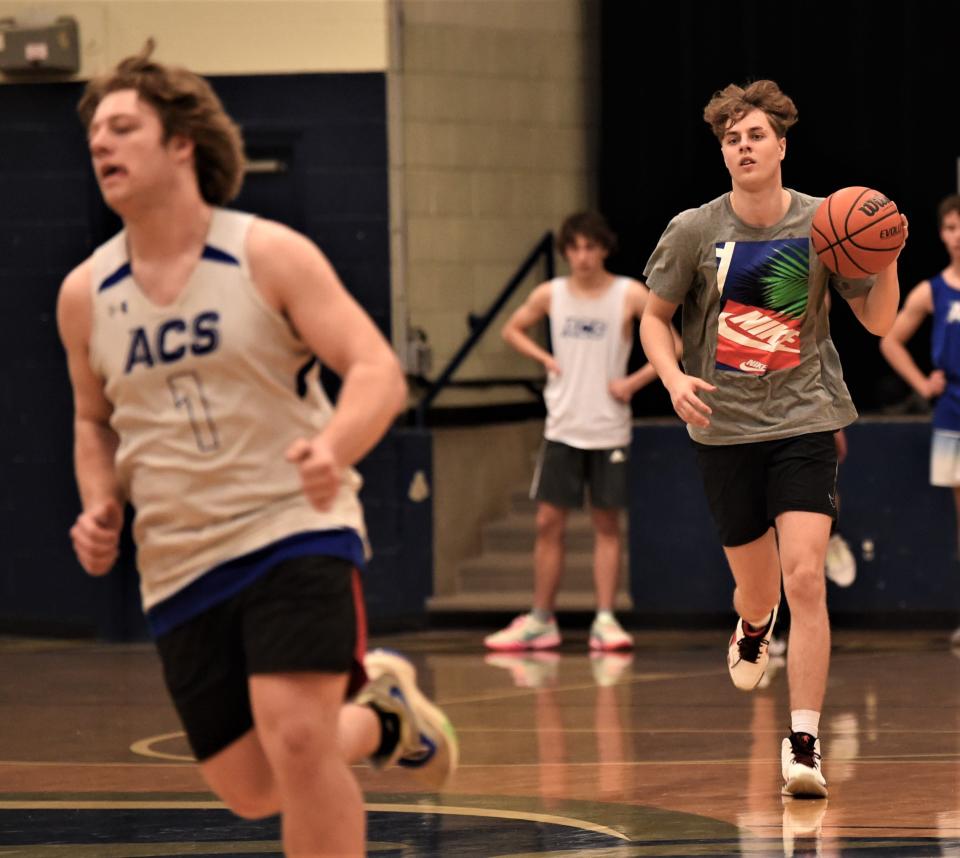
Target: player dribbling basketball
762, 393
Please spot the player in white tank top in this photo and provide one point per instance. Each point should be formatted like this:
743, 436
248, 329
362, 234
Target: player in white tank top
188, 338
592, 314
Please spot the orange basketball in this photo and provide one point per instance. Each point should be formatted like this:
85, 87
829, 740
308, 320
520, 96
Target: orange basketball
857, 232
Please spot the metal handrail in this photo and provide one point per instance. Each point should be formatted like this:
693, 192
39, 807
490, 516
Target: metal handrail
479, 324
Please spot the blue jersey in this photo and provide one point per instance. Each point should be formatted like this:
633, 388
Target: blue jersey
945, 343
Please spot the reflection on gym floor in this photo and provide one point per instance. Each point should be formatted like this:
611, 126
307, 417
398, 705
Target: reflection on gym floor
563, 753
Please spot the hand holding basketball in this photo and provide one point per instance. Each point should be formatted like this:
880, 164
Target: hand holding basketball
857, 232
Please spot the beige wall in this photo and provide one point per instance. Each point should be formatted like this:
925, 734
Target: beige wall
474, 472
492, 130
225, 36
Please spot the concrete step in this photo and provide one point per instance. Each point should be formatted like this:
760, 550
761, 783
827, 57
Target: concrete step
518, 601
494, 571
517, 531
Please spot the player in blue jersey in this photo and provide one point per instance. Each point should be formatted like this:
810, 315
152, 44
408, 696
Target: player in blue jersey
186, 336
938, 297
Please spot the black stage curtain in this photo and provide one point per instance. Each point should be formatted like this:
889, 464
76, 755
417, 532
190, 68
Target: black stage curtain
878, 93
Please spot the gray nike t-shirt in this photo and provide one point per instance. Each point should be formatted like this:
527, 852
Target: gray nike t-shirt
755, 321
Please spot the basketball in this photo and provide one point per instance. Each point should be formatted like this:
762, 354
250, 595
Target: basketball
857, 232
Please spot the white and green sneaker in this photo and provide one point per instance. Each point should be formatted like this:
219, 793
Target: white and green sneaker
525, 632
607, 635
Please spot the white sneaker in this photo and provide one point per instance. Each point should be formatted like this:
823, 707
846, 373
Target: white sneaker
841, 568
607, 635
747, 655
428, 743
525, 632
800, 763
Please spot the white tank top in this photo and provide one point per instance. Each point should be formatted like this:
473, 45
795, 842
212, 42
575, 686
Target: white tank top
207, 394
591, 346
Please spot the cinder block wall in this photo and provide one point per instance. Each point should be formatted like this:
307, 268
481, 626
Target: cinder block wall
492, 143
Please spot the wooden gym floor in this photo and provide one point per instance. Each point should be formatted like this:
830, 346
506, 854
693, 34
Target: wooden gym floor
562, 754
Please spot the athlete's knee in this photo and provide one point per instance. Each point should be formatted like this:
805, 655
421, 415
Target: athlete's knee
248, 803
805, 584
294, 740
550, 521
248, 794
606, 522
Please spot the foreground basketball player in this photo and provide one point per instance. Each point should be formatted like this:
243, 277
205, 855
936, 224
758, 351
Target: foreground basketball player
762, 393
189, 336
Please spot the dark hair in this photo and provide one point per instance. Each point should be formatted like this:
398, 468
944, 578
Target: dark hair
947, 205
592, 225
188, 106
733, 102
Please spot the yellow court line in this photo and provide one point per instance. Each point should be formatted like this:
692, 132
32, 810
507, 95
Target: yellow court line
666, 731
144, 748
106, 765
899, 759
453, 810
120, 804
928, 759
438, 809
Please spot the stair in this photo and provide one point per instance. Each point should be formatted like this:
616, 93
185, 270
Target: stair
500, 578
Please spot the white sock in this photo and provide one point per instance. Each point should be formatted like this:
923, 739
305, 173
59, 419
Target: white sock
604, 616
805, 721
542, 616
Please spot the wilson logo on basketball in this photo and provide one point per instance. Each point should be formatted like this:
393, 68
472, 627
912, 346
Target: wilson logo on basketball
872, 206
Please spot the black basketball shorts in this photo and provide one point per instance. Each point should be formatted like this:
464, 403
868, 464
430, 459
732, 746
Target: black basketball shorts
749, 485
305, 614
563, 473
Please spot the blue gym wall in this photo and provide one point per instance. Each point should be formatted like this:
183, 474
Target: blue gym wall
678, 571
329, 131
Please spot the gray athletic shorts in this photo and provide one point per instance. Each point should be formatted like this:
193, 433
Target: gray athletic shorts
564, 472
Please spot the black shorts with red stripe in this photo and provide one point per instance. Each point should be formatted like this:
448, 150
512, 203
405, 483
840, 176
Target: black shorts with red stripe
306, 614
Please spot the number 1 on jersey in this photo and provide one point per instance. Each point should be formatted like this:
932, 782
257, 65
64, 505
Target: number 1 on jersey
188, 394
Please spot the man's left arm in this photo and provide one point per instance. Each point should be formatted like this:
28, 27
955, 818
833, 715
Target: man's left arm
877, 309
299, 281
624, 388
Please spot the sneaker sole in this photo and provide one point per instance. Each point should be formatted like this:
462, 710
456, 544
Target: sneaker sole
386, 661
523, 646
804, 786
598, 646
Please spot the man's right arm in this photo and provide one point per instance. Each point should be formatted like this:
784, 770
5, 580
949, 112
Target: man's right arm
893, 345
528, 314
96, 532
657, 338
